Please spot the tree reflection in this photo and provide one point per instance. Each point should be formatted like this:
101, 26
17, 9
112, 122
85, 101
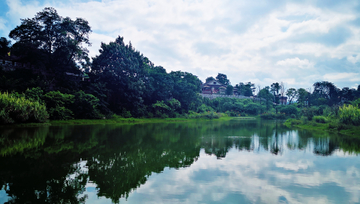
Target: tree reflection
41, 165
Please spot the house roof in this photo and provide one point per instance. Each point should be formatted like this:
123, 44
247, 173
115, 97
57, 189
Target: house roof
213, 83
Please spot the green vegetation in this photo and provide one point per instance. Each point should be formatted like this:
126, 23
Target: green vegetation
57, 73
343, 119
19, 110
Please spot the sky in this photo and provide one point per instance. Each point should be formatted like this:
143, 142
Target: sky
264, 41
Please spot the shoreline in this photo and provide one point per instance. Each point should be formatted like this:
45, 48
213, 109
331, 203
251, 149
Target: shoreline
342, 129
122, 121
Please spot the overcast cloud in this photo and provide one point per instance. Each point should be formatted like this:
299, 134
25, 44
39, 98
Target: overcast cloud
263, 41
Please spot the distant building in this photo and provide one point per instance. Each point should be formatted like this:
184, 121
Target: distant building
213, 87
283, 100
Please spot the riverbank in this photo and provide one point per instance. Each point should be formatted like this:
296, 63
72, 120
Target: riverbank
120, 120
331, 126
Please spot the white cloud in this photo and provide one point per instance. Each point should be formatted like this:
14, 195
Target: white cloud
296, 62
335, 77
244, 40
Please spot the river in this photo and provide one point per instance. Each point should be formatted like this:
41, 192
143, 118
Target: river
236, 161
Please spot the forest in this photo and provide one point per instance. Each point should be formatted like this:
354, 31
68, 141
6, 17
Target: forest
46, 74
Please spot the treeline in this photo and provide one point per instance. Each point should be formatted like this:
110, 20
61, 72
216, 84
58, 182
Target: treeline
57, 73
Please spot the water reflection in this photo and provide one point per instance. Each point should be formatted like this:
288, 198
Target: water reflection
58, 164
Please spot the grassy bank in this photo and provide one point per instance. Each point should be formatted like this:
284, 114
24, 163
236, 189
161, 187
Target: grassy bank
327, 125
119, 120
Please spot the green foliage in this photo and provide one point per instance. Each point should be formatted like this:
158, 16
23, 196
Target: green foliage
291, 122
288, 110
85, 106
229, 90
222, 78
204, 108
252, 108
272, 116
320, 119
245, 89
349, 115
59, 105
309, 112
34, 94
20, 110
204, 115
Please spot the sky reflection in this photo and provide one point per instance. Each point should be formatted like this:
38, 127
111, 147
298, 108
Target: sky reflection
256, 177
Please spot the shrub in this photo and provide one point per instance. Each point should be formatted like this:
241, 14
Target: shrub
288, 110
268, 116
252, 108
320, 119
349, 114
292, 122
20, 110
85, 106
204, 108
207, 115
58, 105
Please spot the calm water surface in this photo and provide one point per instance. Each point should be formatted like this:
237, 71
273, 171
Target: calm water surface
199, 162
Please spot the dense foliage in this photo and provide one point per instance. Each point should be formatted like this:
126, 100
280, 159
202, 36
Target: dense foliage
14, 109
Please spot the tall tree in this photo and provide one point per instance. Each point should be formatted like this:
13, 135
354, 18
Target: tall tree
186, 88
275, 88
222, 78
245, 89
303, 96
229, 90
124, 70
326, 90
265, 94
209, 79
57, 41
4, 46
291, 94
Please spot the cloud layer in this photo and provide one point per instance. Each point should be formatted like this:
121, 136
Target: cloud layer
262, 42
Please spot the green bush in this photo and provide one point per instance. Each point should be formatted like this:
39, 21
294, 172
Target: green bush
252, 108
20, 110
59, 105
204, 108
320, 119
85, 106
288, 110
206, 115
268, 116
292, 122
349, 115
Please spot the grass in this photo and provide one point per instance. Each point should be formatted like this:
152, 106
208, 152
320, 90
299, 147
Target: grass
119, 120
330, 125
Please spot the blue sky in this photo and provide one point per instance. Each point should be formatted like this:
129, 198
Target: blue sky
294, 42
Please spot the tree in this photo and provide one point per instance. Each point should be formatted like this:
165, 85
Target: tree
265, 94
291, 94
275, 88
52, 41
209, 79
124, 70
222, 78
186, 88
245, 89
326, 90
229, 90
302, 96
4, 46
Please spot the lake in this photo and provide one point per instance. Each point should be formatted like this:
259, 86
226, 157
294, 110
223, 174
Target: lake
236, 161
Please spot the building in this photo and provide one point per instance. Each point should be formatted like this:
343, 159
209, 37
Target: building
213, 87
283, 100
